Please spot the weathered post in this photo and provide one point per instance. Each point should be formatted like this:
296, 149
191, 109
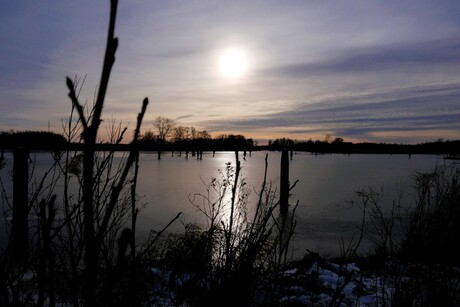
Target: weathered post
20, 227
284, 183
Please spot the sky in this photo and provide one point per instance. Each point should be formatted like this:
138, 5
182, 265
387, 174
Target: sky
378, 71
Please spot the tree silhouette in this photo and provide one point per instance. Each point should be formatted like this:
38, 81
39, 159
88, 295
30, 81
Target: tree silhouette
164, 126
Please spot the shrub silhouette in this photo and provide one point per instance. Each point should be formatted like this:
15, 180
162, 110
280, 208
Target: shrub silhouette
433, 231
242, 246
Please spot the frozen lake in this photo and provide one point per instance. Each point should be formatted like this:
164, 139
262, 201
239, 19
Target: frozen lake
326, 184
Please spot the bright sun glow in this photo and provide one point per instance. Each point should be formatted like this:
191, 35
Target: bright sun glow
233, 63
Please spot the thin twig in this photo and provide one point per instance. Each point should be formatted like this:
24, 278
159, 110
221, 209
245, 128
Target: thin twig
151, 243
118, 188
76, 104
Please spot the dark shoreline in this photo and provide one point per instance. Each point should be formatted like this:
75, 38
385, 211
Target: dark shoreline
47, 141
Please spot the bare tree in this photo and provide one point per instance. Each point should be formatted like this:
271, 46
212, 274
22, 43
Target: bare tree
193, 133
181, 133
203, 134
184, 133
164, 126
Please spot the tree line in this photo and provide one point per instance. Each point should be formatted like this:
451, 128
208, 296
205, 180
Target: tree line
166, 134
338, 145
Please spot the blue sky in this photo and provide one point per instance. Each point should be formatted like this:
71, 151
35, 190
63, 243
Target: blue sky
381, 71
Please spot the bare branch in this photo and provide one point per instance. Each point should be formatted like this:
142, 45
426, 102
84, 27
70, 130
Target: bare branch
140, 116
152, 242
76, 104
118, 188
109, 59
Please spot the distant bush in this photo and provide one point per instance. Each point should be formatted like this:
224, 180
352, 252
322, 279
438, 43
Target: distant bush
31, 140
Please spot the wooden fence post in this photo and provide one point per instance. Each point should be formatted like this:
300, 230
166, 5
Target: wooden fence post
20, 227
284, 183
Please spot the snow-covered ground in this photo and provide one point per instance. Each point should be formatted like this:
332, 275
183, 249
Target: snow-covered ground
322, 284
315, 281
326, 283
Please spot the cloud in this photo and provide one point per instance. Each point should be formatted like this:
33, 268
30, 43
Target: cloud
183, 117
415, 109
406, 58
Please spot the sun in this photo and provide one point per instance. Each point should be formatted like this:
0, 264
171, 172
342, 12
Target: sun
233, 63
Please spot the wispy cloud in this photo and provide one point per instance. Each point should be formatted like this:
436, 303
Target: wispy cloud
428, 108
401, 58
